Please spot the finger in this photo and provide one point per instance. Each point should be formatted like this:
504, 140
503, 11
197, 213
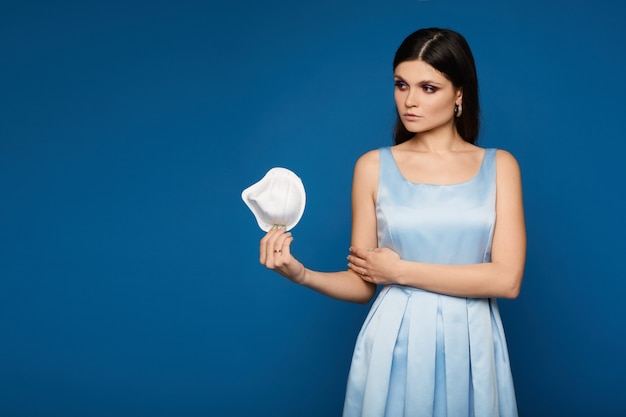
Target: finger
281, 244
360, 252
358, 269
263, 246
284, 244
267, 245
272, 248
357, 261
366, 277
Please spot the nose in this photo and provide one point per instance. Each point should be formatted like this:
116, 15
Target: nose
410, 99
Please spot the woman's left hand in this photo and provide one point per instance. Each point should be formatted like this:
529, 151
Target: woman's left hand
377, 265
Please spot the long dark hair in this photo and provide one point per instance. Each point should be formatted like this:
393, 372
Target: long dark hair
449, 53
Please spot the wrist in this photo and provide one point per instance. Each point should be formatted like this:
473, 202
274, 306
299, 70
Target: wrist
301, 277
402, 277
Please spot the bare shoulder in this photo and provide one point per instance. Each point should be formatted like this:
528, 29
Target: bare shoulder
367, 164
369, 158
366, 171
506, 163
508, 176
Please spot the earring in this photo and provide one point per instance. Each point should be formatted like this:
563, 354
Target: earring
458, 110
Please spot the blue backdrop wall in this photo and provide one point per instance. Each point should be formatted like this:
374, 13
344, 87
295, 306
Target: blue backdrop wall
129, 280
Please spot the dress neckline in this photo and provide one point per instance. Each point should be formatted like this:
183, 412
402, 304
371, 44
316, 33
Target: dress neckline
473, 178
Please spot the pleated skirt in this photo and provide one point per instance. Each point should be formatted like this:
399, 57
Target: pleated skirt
425, 354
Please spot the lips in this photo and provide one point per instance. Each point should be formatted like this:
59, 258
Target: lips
410, 116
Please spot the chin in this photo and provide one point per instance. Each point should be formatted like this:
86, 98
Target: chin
415, 129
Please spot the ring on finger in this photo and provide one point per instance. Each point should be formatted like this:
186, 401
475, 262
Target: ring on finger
277, 250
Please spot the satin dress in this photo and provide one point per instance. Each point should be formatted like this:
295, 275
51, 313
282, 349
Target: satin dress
421, 353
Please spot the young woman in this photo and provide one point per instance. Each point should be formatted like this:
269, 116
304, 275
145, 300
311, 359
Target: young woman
438, 223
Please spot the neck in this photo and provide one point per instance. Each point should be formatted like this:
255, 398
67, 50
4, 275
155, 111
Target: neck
443, 140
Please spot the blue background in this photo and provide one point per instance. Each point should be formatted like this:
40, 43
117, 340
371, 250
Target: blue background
129, 280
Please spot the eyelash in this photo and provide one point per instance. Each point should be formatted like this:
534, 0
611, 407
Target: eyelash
427, 88
401, 85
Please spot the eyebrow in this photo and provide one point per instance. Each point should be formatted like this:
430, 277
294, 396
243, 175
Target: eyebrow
423, 82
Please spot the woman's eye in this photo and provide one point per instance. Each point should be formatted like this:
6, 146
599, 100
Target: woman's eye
429, 88
401, 85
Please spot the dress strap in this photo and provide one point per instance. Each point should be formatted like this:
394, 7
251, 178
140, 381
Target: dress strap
487, 171
388, 168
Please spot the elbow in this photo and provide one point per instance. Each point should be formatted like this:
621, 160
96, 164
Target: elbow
512, 293
513, 287
366, 296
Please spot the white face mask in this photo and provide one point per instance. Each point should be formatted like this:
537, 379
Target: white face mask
278, 199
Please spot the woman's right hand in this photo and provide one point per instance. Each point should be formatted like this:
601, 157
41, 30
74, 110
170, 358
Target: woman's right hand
276, 255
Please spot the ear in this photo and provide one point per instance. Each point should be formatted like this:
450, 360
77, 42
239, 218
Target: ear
459, 96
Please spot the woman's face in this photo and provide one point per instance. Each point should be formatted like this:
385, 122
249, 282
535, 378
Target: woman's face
425, 98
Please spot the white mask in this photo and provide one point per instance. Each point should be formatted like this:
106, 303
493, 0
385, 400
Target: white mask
278, 199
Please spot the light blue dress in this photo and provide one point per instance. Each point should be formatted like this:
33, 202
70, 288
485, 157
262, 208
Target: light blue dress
421, 353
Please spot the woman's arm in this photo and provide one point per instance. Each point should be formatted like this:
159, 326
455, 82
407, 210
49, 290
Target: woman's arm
502, 277
275, 249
